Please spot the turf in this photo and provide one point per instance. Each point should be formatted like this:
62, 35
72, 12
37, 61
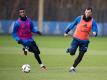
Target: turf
93, 66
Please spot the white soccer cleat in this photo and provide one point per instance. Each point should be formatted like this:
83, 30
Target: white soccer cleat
72, 69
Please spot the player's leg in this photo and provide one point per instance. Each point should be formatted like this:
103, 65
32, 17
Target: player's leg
83, 48
34, 48
73, 48
25, 49
76, 62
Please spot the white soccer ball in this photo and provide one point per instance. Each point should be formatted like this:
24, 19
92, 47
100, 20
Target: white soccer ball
26, 68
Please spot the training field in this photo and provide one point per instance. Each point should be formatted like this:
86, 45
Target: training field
58, 62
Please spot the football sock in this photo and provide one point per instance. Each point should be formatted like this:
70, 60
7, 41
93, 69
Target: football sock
78, 59
72, 68
41, 65
38, 58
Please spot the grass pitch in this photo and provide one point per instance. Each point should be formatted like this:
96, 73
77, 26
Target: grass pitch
93, 66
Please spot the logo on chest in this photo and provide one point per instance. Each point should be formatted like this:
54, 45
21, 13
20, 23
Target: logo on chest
85, 25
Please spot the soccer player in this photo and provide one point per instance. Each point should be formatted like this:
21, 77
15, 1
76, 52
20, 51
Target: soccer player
83, 25
22, 33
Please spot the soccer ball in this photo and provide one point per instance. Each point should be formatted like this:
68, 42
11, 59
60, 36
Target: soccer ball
26, 68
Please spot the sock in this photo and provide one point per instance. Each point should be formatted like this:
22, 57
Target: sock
78, 59
38, 58
41, 65
72, 68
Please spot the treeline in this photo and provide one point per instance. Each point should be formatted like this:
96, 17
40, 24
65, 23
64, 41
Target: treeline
54, 10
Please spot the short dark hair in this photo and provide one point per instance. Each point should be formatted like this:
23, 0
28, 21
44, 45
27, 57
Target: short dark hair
89, 8
21, 8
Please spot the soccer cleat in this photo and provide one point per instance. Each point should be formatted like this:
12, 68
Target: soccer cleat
25, 51
67, 50
43, 68
72, 70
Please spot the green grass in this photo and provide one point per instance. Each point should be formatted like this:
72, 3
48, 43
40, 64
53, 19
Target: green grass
93, 66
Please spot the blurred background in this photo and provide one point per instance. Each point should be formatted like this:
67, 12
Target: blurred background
52, 16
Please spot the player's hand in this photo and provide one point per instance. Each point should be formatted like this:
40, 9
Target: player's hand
65, 34
95, 34
20, 42
39, 33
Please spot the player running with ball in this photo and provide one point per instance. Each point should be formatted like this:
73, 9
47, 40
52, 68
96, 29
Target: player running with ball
22, 33
83, 24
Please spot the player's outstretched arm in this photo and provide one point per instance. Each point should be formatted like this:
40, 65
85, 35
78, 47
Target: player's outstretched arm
39, 33
71, 26
94, 28
34, 28
15, 29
